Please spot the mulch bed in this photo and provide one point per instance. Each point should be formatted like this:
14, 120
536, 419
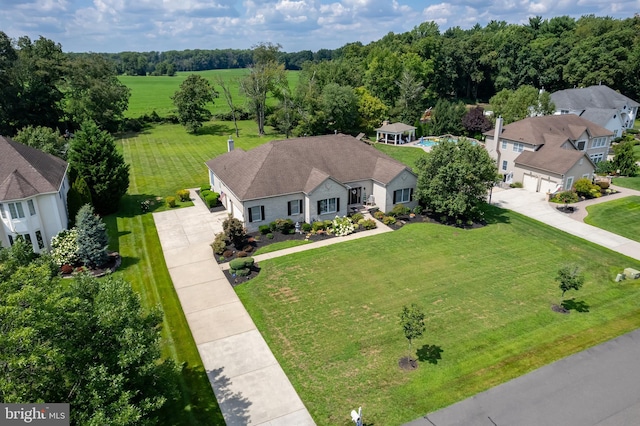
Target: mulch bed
560, 309
407, 364
112, 264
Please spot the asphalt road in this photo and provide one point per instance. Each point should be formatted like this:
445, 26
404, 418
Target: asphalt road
596, 387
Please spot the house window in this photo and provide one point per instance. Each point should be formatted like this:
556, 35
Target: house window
2, 212
402, 195
504, 164
16, 210
581, 145
518, 147
294, 207
504, 144
330, 205
10, 239
256, 214
599, 143
569, 183
32, 208
40, 240
596, 158
27, 238
564, 111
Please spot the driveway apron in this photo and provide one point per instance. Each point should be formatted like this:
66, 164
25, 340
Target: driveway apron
249, 384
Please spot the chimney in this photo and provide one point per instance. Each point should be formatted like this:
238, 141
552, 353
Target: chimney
385, 122
230, 144
496, 134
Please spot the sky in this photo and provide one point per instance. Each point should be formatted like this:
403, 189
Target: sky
161, 25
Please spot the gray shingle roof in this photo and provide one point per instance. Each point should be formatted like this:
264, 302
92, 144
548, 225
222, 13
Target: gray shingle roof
26, 171
600, 116
600, 96
300, 165
555, 160
396, 128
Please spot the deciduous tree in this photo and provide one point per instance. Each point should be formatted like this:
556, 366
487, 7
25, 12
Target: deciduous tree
570, 278
44, 139
191, 102
340, 107
475, 121
412, 322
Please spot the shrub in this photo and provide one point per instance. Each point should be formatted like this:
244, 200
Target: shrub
356, 217
565, 197
328, 223
399, 210
204, 193
92, 237
242, 254
219, 243
244, 272
603, 184
206, 187
264, 229
211, 199
342, 226
247, 249
66, 269
516, 185
171, 201
317, 226
283, 225
240, 263
586, 189
183, 195
378, 215
64, 247
388, 220
227, 253
417, 209
234, 230
306, 227
270, 236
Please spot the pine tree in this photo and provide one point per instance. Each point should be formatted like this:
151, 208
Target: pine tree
78, 196
94, 156
92, 237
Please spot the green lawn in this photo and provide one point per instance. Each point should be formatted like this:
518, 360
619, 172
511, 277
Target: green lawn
627, 182
164, 159
406, 155
280, 246
153, 93
330, 315
620, 216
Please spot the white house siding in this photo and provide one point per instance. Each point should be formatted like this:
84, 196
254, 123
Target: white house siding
274, 208
537, 180
380, 196
500, 154
404, 180
328, 189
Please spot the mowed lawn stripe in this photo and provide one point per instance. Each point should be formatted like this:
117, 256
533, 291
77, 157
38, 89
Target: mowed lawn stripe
621, 216
330, 315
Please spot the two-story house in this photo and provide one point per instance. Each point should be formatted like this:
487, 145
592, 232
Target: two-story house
548, 153
33, 195
598, 104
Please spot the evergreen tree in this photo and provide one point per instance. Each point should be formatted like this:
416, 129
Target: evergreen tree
78, 196
94, 156
625, 159
92, 237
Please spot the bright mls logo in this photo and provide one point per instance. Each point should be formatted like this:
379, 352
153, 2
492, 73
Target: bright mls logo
37, 414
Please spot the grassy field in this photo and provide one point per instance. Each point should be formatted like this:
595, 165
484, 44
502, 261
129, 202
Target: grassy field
620, 216
164, 159
330, 315
153, 93
627, 182
406, 155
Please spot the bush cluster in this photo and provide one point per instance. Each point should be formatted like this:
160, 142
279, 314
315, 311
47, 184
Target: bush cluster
342, 226
241, 266
64, 247
585, 188
565, 197
368, 224
183, 195
171, 201
219, 244
209, 197
399, 210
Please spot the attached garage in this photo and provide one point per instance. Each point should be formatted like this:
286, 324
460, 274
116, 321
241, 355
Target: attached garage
530, 182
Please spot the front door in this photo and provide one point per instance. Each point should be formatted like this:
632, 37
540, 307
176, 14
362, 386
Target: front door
355, 195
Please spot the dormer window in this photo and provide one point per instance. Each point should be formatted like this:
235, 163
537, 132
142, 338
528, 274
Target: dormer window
581, 145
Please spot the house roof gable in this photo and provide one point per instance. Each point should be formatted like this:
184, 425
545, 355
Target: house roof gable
26, 171
599, 96
300, 165
395, 128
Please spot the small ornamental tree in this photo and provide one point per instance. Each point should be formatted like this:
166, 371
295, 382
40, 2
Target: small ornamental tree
234, 230
412, 322
625, 160
92, 238
476, 122
570, 278
64, 247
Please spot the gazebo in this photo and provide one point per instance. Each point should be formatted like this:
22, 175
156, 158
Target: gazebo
398, 133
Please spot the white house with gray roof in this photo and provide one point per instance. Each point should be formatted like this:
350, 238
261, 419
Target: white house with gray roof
33, 195
600, 105
308, 179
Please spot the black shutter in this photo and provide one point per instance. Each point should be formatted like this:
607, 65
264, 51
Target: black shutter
262, 211
250, 215
318, 212
394, 196
289, 208
411, 195
301, 206
338, 205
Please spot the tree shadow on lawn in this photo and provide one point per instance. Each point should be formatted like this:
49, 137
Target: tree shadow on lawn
132, 204
216, 130
430, 354
575, 305
493, 214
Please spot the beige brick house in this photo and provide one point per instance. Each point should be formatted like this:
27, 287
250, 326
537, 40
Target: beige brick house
308, 179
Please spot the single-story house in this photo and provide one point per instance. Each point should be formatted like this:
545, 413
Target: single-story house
547, 153
33, 195
598, 104
396, 133
308, 179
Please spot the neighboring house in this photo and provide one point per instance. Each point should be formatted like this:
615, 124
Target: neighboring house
33, 195
598, 104
548, 153
308, 179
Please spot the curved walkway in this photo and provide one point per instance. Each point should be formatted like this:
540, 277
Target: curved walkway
249, 384
581, 213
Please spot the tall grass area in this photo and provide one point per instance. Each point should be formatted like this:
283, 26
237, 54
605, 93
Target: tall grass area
330, 315
162, 160
153, 93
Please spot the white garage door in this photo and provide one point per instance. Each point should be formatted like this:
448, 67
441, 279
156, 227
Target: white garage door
530, 183
548, 185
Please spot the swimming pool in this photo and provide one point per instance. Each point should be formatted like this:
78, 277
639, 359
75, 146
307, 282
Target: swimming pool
432, 140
